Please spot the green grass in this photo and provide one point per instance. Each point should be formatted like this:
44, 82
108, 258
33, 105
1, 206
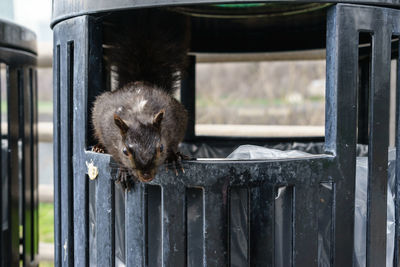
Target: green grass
46, 223
46, 227
43, 106
316, 98
46, 264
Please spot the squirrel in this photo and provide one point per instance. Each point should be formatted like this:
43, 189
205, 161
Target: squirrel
141, 124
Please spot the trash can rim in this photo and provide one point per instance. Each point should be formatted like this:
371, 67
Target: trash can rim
18, 37
65, 9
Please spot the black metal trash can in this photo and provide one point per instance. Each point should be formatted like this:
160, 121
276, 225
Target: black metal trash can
19, 237
158, 216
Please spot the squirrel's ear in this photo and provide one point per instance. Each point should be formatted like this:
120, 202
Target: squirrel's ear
121, 124
158, 118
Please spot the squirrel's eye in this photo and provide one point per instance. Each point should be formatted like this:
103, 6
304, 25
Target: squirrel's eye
161, 148
125, 151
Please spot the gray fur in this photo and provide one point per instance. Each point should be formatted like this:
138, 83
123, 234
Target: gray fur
137, 104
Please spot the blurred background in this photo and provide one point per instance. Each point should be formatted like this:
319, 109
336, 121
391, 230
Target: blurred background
268, 95
35, 15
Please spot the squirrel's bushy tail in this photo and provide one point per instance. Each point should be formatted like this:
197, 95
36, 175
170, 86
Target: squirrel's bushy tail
147, 46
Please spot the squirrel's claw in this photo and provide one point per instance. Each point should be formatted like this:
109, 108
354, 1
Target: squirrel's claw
176, 170
99, 148
183, 156
174, 162
125, 179
178, 164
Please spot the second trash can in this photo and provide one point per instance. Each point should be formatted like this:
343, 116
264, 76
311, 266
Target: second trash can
19, 236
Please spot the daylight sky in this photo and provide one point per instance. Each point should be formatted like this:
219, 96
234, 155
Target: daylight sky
34, 15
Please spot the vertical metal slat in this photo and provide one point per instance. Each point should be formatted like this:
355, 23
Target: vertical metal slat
342, 68
173, 225
2, 239
35, 164
56, 154
306, 225
85, 81
239, 226
134, 226
194, 226
66, 178
397, 179
262, 220
377, 152
25, 99
153, 223
326, 192
215, 226
13, 168
396, 262
105, 218
21, 160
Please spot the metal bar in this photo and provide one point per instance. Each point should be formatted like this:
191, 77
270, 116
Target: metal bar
13, 168
262, 222
83, 28
34, 169
216, 225
188, 97
134, 226
57, 153
341, 121
305, 224
70, 105
325, 223
2, 239
21, 157
66, 132
194, 226
396, 262
284, 225
239, 226
105, 248
21, 160
378, 144
153, 222
173, 225
25, 131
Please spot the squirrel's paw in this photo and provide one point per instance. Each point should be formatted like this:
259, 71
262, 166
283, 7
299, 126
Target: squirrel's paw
174, 162
183, 156
125, 179
99, 148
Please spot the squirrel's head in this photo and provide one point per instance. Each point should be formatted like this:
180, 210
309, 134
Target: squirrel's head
142, 146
